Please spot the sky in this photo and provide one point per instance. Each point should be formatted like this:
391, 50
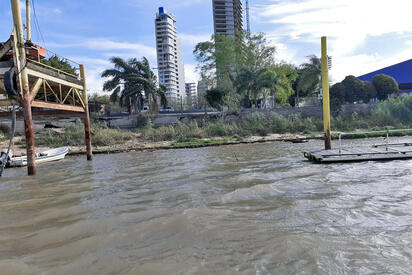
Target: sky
363, 35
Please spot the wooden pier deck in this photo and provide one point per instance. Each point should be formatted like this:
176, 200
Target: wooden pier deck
357, 154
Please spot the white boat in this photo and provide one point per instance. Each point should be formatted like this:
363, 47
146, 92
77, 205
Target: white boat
46, 156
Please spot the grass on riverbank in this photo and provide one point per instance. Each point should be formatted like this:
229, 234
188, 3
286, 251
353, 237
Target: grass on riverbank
74, 136
257, 124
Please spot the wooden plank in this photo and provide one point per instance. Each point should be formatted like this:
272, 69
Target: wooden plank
7, 102
54, 79
368, 158
6, 48
52, 72
392, 144
357, 154
80, 97
53, 113
36, 87
42, 104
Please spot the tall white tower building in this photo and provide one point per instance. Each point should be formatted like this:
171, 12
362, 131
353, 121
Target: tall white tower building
169, 62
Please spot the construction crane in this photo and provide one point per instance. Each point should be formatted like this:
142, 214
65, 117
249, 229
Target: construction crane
247, 16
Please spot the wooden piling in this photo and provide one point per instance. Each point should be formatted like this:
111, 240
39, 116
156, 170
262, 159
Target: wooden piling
87, 132
25, 96
28, 126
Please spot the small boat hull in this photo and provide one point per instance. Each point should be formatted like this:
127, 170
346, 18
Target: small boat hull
46, 156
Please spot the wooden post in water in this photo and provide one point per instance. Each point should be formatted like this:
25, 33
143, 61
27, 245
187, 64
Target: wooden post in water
25, 96
325, 95
87, 133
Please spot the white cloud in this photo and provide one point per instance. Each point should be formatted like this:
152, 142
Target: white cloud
94, 81
106, 44
347, 24
191, 74
170, 3
89, 60
193, 39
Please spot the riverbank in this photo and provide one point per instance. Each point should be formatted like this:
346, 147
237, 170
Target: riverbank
257, 127
137, 143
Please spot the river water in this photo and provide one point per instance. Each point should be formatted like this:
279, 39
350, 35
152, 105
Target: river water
241, 209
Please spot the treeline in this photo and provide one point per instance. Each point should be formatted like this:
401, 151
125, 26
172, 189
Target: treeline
242, 71
352, 90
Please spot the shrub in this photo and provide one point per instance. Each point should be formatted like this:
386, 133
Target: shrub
4, 129
394, 111
277, 123
173, 132
256, 123
74, 136
385, 85
220, 128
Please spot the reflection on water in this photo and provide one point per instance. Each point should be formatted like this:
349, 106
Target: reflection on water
251, 209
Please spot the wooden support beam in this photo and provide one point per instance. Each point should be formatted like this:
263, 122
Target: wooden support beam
67, 95
51, 89
20, 59
54, 79
80, 97
56, 106
36, 87
87, 132
7, 102
6, 47
52, 113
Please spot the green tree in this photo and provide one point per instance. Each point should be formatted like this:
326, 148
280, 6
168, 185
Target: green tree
353, 89
131, 82
310, 75
230, 62
368, 91
337, 95
283, 84
385, 85
60, 64
215, 98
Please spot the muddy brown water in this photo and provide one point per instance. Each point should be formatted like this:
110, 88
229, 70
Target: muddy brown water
242, 209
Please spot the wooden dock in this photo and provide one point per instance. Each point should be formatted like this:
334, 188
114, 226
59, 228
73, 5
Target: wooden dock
355, 154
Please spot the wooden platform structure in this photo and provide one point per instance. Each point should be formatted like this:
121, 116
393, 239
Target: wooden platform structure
48, 90
356, 155
385, 151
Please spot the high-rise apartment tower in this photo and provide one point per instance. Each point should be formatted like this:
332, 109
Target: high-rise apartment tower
227, 17
191, 94
169, 62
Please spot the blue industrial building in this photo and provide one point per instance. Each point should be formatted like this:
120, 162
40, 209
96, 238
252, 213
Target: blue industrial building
402, 72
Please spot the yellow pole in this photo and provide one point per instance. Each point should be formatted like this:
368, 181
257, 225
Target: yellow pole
28, 26
325, 95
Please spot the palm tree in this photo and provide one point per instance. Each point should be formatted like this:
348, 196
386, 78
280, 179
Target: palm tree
310, 75
131, 82
251, 83
276, 85
148, 80
259, 83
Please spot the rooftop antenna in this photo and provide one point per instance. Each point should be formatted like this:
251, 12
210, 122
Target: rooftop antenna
247, 16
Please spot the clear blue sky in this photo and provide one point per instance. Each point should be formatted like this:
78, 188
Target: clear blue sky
364, 35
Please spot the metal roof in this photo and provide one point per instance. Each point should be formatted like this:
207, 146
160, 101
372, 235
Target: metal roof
402, 72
